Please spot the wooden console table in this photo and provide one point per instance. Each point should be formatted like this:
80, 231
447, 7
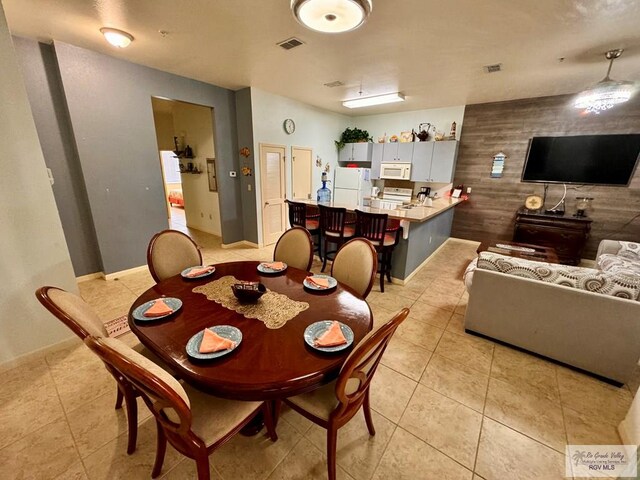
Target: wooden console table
566, 234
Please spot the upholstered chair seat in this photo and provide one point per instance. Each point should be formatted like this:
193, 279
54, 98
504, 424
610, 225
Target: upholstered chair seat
348, 232
334, 404
82, 320
194, 422
169, 253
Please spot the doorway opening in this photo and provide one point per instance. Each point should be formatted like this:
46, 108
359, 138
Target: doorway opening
186, 152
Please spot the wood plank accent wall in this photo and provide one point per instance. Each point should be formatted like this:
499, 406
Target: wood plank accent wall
508, 126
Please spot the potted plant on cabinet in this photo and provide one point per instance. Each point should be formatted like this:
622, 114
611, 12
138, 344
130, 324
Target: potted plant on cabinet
353, 135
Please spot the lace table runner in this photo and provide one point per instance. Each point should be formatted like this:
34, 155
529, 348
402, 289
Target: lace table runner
273, 309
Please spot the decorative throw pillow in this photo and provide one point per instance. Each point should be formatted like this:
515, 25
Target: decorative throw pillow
613, 284
608, 262
630, 250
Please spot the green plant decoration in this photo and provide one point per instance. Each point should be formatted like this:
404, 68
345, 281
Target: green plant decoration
353, 135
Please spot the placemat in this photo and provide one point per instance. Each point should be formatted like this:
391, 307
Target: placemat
273, 309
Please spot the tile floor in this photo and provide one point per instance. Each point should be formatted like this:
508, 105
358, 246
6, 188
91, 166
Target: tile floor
447, 405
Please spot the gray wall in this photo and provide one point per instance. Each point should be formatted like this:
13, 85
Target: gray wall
44, 88
109, 102
245, 139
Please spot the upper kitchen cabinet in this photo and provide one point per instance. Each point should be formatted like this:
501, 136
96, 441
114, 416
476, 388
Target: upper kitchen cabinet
355, 152
376, 160
397, 152
443, 162
434, 161
421, 161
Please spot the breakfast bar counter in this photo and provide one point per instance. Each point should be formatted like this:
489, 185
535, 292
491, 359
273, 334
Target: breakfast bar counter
424, 230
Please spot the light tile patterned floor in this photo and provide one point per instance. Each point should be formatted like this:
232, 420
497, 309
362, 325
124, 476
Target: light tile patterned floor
446, 404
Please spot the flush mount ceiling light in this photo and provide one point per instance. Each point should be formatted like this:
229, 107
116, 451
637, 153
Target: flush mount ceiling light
116, 37
331, 16
375, 100
606, 93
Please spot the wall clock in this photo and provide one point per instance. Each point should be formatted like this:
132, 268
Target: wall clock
533, 202
289, 126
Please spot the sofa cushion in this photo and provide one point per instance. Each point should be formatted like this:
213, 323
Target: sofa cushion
608, 262
467, 277
606, 283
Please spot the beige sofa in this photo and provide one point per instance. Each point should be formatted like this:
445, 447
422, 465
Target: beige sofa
586, 318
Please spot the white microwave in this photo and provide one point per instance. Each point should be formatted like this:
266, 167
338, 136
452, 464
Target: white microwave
395, 171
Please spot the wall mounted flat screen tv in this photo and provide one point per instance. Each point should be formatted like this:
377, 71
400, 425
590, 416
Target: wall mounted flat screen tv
583, 159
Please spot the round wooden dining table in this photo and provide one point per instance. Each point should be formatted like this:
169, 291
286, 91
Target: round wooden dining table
269, 364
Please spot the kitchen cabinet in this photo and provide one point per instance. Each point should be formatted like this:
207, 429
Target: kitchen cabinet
376, 160
355, 152
434, 161
397, 152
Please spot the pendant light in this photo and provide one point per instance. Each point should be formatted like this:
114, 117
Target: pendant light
331, 16
607, 92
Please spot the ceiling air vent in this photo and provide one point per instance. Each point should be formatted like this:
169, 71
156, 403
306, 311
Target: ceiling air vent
496, 67
290, 43
337, 83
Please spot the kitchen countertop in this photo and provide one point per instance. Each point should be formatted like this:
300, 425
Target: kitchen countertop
415, 214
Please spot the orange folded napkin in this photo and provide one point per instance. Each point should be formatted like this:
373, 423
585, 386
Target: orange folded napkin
158, 309
274, 265
332, 337
212, 342
197, 271
319, 281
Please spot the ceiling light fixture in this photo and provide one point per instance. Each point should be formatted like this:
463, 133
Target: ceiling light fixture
375, 100
116, 37
606, 93
331, 16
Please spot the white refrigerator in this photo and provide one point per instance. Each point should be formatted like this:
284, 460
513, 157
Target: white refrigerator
351, 185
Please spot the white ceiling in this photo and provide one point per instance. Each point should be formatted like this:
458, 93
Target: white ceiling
431, 50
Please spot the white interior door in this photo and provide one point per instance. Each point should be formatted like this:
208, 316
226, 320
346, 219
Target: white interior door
273, 194
301, 172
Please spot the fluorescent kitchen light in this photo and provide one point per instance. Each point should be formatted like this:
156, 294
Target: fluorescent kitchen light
117, 38
375, 100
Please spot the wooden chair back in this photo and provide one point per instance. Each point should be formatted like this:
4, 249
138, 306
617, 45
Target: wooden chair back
297, 214
332, 220
295, 248
358, 370
162, 393
72, 310
355, 265
170, 252
371, 226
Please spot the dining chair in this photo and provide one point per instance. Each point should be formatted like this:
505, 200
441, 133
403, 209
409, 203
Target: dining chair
306, 216
170, 252
295, 248
195, 423
334, 229
384, 234
82, 320
355, 265
334, 404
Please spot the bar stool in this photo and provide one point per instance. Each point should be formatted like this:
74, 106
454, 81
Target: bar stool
309, 218
333, 229
384, 236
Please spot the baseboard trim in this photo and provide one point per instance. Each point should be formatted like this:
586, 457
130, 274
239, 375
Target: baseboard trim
400, 281
240, 243
39, 354
90, 276
115, 275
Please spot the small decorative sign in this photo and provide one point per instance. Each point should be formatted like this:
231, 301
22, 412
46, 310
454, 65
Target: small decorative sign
498, 165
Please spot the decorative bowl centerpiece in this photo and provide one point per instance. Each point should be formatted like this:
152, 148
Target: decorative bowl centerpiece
248, 291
